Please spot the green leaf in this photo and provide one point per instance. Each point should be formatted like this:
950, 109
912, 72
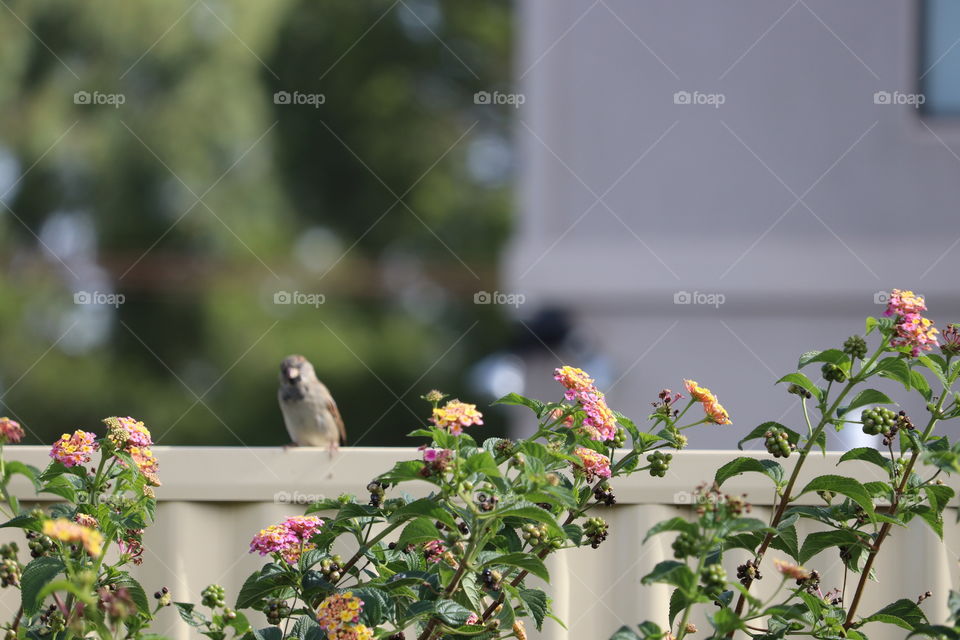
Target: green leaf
530, 511
835, 356
35, 576
516, 399
61, 486
939, 495
726, 620
259, 585
376, 605
844, 486
918, 382
535, 601
868, 396
672, 572
936, 367
801, 380
741, 465
24, 521
12, 467
678, 602
625, 633
930, 516
903, 613
428, 507
403, 471
867, 454
673, 524
137, 594
419, 530
786, 541
758, 432
483, 463
525, 561
894, 368
188, 615
453, 613
817, 542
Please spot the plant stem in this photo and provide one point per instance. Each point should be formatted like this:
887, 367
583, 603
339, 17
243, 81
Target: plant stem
682, 629
811, 441
886, 527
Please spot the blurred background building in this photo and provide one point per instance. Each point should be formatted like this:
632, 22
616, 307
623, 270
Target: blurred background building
427, 193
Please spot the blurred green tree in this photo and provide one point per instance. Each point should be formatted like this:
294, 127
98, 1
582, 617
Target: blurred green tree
379, 184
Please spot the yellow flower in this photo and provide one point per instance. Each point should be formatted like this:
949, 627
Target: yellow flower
714, 410
66, 531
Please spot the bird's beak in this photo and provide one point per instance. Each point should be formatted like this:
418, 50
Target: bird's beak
293, 373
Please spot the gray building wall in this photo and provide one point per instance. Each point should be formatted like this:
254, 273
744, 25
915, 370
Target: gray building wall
797, 199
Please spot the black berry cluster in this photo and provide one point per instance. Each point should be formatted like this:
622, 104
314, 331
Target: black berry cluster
492, 579
485, 502
376, 490
855, 347
604, 495
778, 442
596, 531
659, 463
331, 568
833, 373
53, 619
748, 572
276, 610
163, 597
39, 544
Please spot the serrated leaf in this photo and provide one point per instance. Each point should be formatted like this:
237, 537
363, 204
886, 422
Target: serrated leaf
189, 615
516, 399
801, 380
137, 594
786, 541
428, 507
673, 524
903, 613
894, 368
844, 486
869, 396
417, 531
834, 356
36, 575
525, 561
817, 542
672, 572
678, 602
867, 454
535, 601
735, 467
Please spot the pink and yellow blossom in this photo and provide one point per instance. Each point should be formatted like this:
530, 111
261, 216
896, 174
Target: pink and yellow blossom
76, 449
10, 431
455, 415
592, 464
66, 531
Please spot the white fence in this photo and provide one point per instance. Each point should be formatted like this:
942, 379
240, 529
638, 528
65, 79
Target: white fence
214, 499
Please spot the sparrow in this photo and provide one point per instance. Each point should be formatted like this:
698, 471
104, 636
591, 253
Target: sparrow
309, 412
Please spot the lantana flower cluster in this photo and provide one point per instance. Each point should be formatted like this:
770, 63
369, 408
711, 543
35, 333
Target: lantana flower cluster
289, 539
10, 431
74, 533
339, 616
455, 415
600, 423
133, 437
437, 460
76, 449
913, 330
592, 464
714, 410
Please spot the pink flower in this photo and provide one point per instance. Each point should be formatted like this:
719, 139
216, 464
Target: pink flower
273, 539
456, 415
74, 450
338, 612
10, 431
472, 619
600, 423
304, 527
592, 464
916, 332
434, 550
904, 303
574, 379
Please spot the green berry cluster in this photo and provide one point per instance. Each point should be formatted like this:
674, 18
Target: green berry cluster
331, 568
596, 531
213, 596
855, 347
713, 578
276, 610
659, 463
620, 438
39, 544
9, 567
533, 533
878, 420
685, 545
833, 372
778, 442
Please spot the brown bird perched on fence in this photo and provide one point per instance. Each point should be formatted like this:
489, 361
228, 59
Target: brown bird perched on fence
309, 411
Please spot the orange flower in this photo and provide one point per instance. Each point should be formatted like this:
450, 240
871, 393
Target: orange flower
66, 531
714, 410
